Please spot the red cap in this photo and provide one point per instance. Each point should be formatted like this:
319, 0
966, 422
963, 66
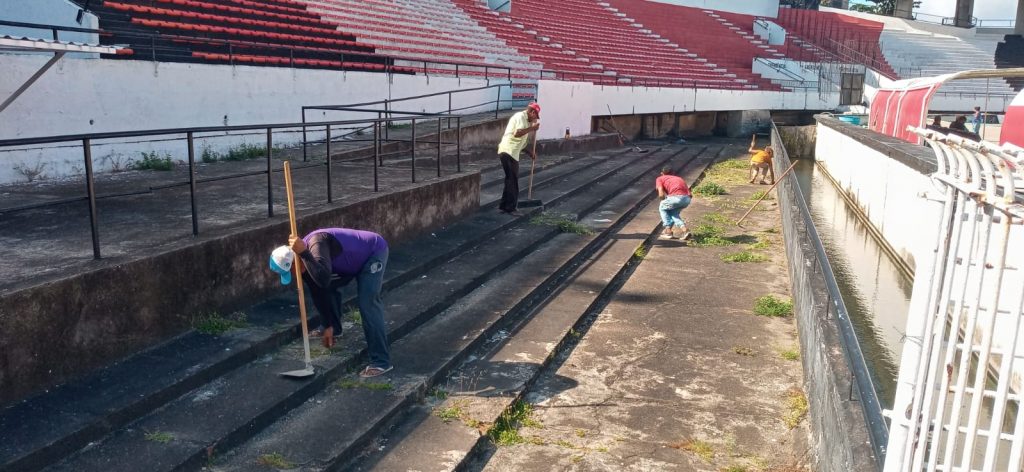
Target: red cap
535, 107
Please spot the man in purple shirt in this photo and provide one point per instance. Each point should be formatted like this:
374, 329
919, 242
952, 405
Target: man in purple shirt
348, 254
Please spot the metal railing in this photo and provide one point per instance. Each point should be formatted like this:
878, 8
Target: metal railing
87, 141
386, 114
862, 381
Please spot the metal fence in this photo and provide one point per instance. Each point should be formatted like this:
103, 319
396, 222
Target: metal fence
189, 136
958, 398
836, 309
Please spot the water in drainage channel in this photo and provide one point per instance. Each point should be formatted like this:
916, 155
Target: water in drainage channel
875, 290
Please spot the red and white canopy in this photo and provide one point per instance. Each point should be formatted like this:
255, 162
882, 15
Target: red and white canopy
905, 103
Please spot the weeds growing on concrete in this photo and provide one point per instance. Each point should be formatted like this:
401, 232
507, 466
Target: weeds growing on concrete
770, 306
735, 468
154, 161
32, 172
160, 437
796, 404
354, 316
353, 383
743, 351
451, 412
715, 218
743, 256
216, 324
706, 235
564, 223
438, 393
640, 252
580, 433
707, 189
701, 449
242, 152
275, 460
505, 431
565, 444
761, 193
762, 243
733, 171
791, 354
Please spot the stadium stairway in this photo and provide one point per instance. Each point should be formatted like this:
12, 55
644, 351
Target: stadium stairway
923, 54
1010, 53
216, 401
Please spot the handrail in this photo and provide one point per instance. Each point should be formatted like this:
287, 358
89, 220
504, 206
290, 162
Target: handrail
878, 431
403, 99
780, 68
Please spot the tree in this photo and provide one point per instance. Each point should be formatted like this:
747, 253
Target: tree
880, 7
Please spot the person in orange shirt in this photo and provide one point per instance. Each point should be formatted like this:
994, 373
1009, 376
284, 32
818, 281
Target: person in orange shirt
761, 162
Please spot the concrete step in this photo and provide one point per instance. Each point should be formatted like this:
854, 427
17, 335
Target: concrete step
466, 331
46, 428
228, 398
495, 377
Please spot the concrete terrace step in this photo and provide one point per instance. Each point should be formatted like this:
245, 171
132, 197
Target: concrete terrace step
495, 377
240, 414
465, 332
41, 430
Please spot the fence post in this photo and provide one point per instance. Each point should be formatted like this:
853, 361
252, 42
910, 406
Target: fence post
270, 175
376, 152
90, 189
497, 103
304, 134
412, 150
192, 183
458, 144
449, 110
330, 196
439, 147
387, 124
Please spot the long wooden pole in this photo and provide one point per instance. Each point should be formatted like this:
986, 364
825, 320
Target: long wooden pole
766, 192
298, 261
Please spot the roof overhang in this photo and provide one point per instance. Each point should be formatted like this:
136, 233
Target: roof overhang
11, 43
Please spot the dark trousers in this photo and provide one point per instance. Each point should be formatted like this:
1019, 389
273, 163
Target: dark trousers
510, 197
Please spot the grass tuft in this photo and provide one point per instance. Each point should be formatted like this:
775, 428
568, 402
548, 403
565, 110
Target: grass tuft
640, 252
796, 404
743, 351
792, 354
701, 449
707, 235
770, 306
762, 243
354, 316
452, 412
154, 161
743, 256
160, 437
353, 383
216, 324
761, 193
505, 431
563, 222
736, 468
275, 460
716, 218
706, 189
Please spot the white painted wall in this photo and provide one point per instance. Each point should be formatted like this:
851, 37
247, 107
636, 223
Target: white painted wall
48, 12
771, 32
766, 8
572, 104
763, 67
89, 96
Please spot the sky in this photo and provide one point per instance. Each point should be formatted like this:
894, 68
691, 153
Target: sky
983, 9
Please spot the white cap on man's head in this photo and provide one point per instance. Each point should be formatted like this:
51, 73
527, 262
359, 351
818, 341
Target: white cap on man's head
281, 263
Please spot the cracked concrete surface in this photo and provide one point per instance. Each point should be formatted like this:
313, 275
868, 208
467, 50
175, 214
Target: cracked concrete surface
677, 360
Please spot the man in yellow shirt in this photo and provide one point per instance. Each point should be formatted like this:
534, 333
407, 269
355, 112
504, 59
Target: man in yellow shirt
517, 135
761, 162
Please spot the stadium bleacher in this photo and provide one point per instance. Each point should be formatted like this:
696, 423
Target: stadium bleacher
848, 37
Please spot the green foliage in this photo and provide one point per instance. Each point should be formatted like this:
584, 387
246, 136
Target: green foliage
709, 188
451, 412
275, 460
241, 152
354, 316
743, 256
353, 383
761, 193
715, 218
879, 7
796, 404
770, 306
701, 449
762, 243
154, 161
792, 354
640, 252
505, 431
214, 323
707, 235
160, 437
562, 222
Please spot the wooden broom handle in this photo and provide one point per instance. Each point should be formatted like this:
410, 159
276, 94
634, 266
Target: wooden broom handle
297, 264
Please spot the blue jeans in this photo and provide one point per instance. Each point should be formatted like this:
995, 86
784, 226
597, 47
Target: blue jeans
371, 309
670, 208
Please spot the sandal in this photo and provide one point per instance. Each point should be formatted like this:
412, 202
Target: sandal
316, 333
371, 371
328, 338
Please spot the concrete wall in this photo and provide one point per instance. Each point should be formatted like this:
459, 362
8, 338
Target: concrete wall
53, 331
573, 104
767, 8
91, 96
839, 441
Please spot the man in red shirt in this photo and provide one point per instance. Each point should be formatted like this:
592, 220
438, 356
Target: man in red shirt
675, 195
